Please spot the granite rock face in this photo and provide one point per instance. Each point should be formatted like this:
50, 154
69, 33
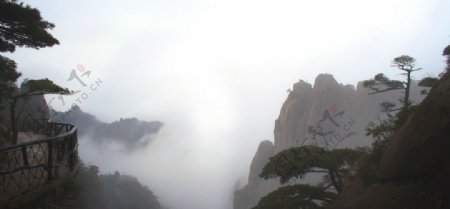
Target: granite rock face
28, 111
327, 114
330, 114
256, 187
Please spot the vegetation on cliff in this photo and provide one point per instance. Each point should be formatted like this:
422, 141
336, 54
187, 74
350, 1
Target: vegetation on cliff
413, 171
22, 26
91, 190
360, 166
132, 133
296, 163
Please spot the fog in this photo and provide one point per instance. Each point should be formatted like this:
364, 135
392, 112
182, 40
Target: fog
174, 167
216, 72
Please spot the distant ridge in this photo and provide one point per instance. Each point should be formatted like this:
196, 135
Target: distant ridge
129, 132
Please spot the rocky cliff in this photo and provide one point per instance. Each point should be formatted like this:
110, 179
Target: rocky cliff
415, 170
256, 187
330, 114
327, 114
28, 109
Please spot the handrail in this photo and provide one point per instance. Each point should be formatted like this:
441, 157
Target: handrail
27, 168
12, 146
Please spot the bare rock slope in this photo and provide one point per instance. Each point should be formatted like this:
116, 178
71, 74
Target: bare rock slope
415, 170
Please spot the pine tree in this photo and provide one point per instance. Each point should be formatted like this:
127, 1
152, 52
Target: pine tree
22, 26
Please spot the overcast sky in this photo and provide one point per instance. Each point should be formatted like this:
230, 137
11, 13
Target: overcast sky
216, 71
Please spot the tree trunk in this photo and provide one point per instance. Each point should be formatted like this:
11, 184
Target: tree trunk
335, 180
406, 102
12, 113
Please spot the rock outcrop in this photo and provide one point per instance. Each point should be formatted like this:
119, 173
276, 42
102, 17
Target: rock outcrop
256, 187
330, 114
415, 170
28, 110
327, 114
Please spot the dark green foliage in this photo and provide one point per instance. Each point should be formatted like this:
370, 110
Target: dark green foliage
8, 77
88, 193
407, 64
380, 83
381, 130
295, 197
21, 25
123, 192
387, 108
297, 162
90, 190
344, 159
384, 129
428, 82
73, 194
404, 62
446, 53
42, 86
381, 78
403, 115
368, 165
8, 73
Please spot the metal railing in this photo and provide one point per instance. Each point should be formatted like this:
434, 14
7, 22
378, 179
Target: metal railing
27, 168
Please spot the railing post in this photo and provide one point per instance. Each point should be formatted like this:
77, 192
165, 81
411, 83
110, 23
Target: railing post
24, 156
50, 161
72, 144
48, 129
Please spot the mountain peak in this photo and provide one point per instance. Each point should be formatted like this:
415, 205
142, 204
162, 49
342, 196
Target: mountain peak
301, 86
325, 80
